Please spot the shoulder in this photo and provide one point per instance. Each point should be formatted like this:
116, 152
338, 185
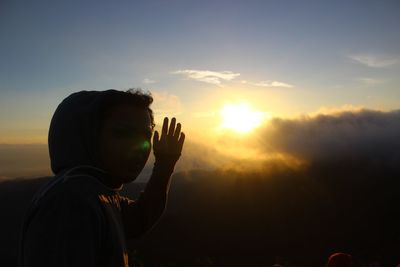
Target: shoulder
75, 195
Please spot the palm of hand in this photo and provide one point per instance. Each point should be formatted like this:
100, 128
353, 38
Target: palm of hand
169, 145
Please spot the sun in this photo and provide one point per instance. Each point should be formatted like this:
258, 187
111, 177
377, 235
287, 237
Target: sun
240, 117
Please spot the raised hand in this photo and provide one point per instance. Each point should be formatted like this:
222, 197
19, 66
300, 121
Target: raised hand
168, 147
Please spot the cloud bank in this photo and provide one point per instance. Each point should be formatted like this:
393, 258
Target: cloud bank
347, 136
26, 160
365, 135
353, 136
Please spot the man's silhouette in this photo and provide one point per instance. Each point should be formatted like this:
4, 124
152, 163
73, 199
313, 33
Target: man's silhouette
99, 140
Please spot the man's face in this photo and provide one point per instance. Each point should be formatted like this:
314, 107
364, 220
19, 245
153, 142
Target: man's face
124, 142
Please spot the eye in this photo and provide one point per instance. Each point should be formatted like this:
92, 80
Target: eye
149, 134
121, 132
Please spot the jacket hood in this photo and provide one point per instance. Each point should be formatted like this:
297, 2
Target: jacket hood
73, 131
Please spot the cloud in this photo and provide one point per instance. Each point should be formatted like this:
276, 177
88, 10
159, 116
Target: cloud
370, 81
365, 135
269, 83
374, 61
207, 76
148, 81
328, 110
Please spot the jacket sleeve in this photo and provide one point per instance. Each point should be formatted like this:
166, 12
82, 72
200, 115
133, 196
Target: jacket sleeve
67, 232
139, 216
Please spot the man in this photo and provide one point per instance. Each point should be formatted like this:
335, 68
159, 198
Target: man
98, 141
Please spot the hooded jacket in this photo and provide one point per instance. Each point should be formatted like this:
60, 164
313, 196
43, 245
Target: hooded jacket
75, 220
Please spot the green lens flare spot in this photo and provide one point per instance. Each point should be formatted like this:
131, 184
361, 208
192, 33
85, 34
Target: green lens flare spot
146, 145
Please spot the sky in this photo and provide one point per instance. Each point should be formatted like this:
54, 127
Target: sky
283, 58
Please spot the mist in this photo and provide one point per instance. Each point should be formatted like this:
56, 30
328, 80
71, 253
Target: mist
364, 135
24, 160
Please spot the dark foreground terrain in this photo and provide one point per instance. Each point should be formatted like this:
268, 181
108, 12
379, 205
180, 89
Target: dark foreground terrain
226, 218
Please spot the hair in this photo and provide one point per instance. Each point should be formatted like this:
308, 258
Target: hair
340, 260
132, 97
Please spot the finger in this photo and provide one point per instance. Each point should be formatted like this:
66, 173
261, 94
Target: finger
172, 127
155, 139
164, 127
180, 142
177, 130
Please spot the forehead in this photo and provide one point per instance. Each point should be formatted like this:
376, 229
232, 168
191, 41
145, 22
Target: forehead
128, 115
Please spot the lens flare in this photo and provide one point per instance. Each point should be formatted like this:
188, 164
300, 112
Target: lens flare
146, 145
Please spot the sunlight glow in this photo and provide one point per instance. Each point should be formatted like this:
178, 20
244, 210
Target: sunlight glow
240, 117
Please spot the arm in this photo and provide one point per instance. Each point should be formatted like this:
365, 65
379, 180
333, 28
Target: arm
141, 215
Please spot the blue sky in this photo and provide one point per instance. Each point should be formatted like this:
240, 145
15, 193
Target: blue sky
286, 57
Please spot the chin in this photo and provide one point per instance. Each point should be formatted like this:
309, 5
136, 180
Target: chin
130, 176
132, 172
129, 180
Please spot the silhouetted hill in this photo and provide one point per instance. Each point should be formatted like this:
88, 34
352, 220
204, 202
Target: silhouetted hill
227, 218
